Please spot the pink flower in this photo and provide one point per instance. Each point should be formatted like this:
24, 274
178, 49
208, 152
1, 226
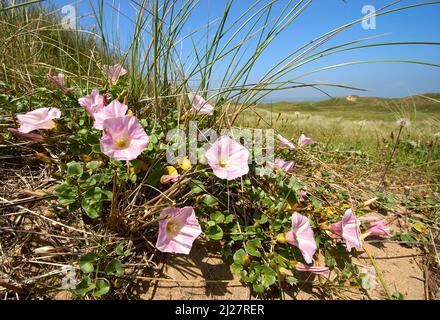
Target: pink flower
113, 110
93, 103
302, 195
228, 159
348, 230
199, 105
178, 230
123, 138
41, 118
284, 143
113, 72
301, 236
59, 82
286, 166
378, 229
32, 136
303, 141
169, 179
171, 176
316, 270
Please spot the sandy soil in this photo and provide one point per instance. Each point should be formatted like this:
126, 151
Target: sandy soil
401, 268
183, 276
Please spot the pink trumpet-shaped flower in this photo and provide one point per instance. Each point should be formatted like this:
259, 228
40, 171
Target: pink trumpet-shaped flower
32, 136
348, 230
228, 158
199, 105
302, 195
93, 103
178, 230
303, 141
378, 229
59, 82
301, 236
123, 138
285, 143
114, 110
286, 166
41, 118
114, 72
313, 269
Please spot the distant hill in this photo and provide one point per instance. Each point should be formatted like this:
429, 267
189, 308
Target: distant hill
424, 106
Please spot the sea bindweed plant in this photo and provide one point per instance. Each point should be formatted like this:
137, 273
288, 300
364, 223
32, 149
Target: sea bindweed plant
106, 135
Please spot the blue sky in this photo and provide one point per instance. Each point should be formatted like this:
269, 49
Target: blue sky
380, 79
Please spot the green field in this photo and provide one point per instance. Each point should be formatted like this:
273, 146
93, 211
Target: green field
414, 107
367, 127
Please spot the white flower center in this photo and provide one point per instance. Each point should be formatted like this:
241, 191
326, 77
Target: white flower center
173, 228
121, 143
223, 164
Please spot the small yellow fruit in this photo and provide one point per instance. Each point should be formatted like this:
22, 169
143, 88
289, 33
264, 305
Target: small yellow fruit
281, 238
287, 207
184, 164
43, 157
324, 226
171, 171
56, 128
246, 260
293, 263
117, 283
101, 164
85, 158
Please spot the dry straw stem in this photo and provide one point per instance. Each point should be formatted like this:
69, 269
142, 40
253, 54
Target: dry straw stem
379, 273
47, 219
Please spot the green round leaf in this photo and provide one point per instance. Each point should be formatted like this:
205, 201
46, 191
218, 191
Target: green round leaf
252, 247
236, 267
74, 169
86, 262
239, 255
268, 276
114, 268
85, 286
102, 287
214, 233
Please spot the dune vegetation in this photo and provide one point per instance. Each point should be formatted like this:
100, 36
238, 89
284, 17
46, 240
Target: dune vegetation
93, 204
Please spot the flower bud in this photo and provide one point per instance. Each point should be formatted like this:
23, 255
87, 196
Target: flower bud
369, 202
281, 238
